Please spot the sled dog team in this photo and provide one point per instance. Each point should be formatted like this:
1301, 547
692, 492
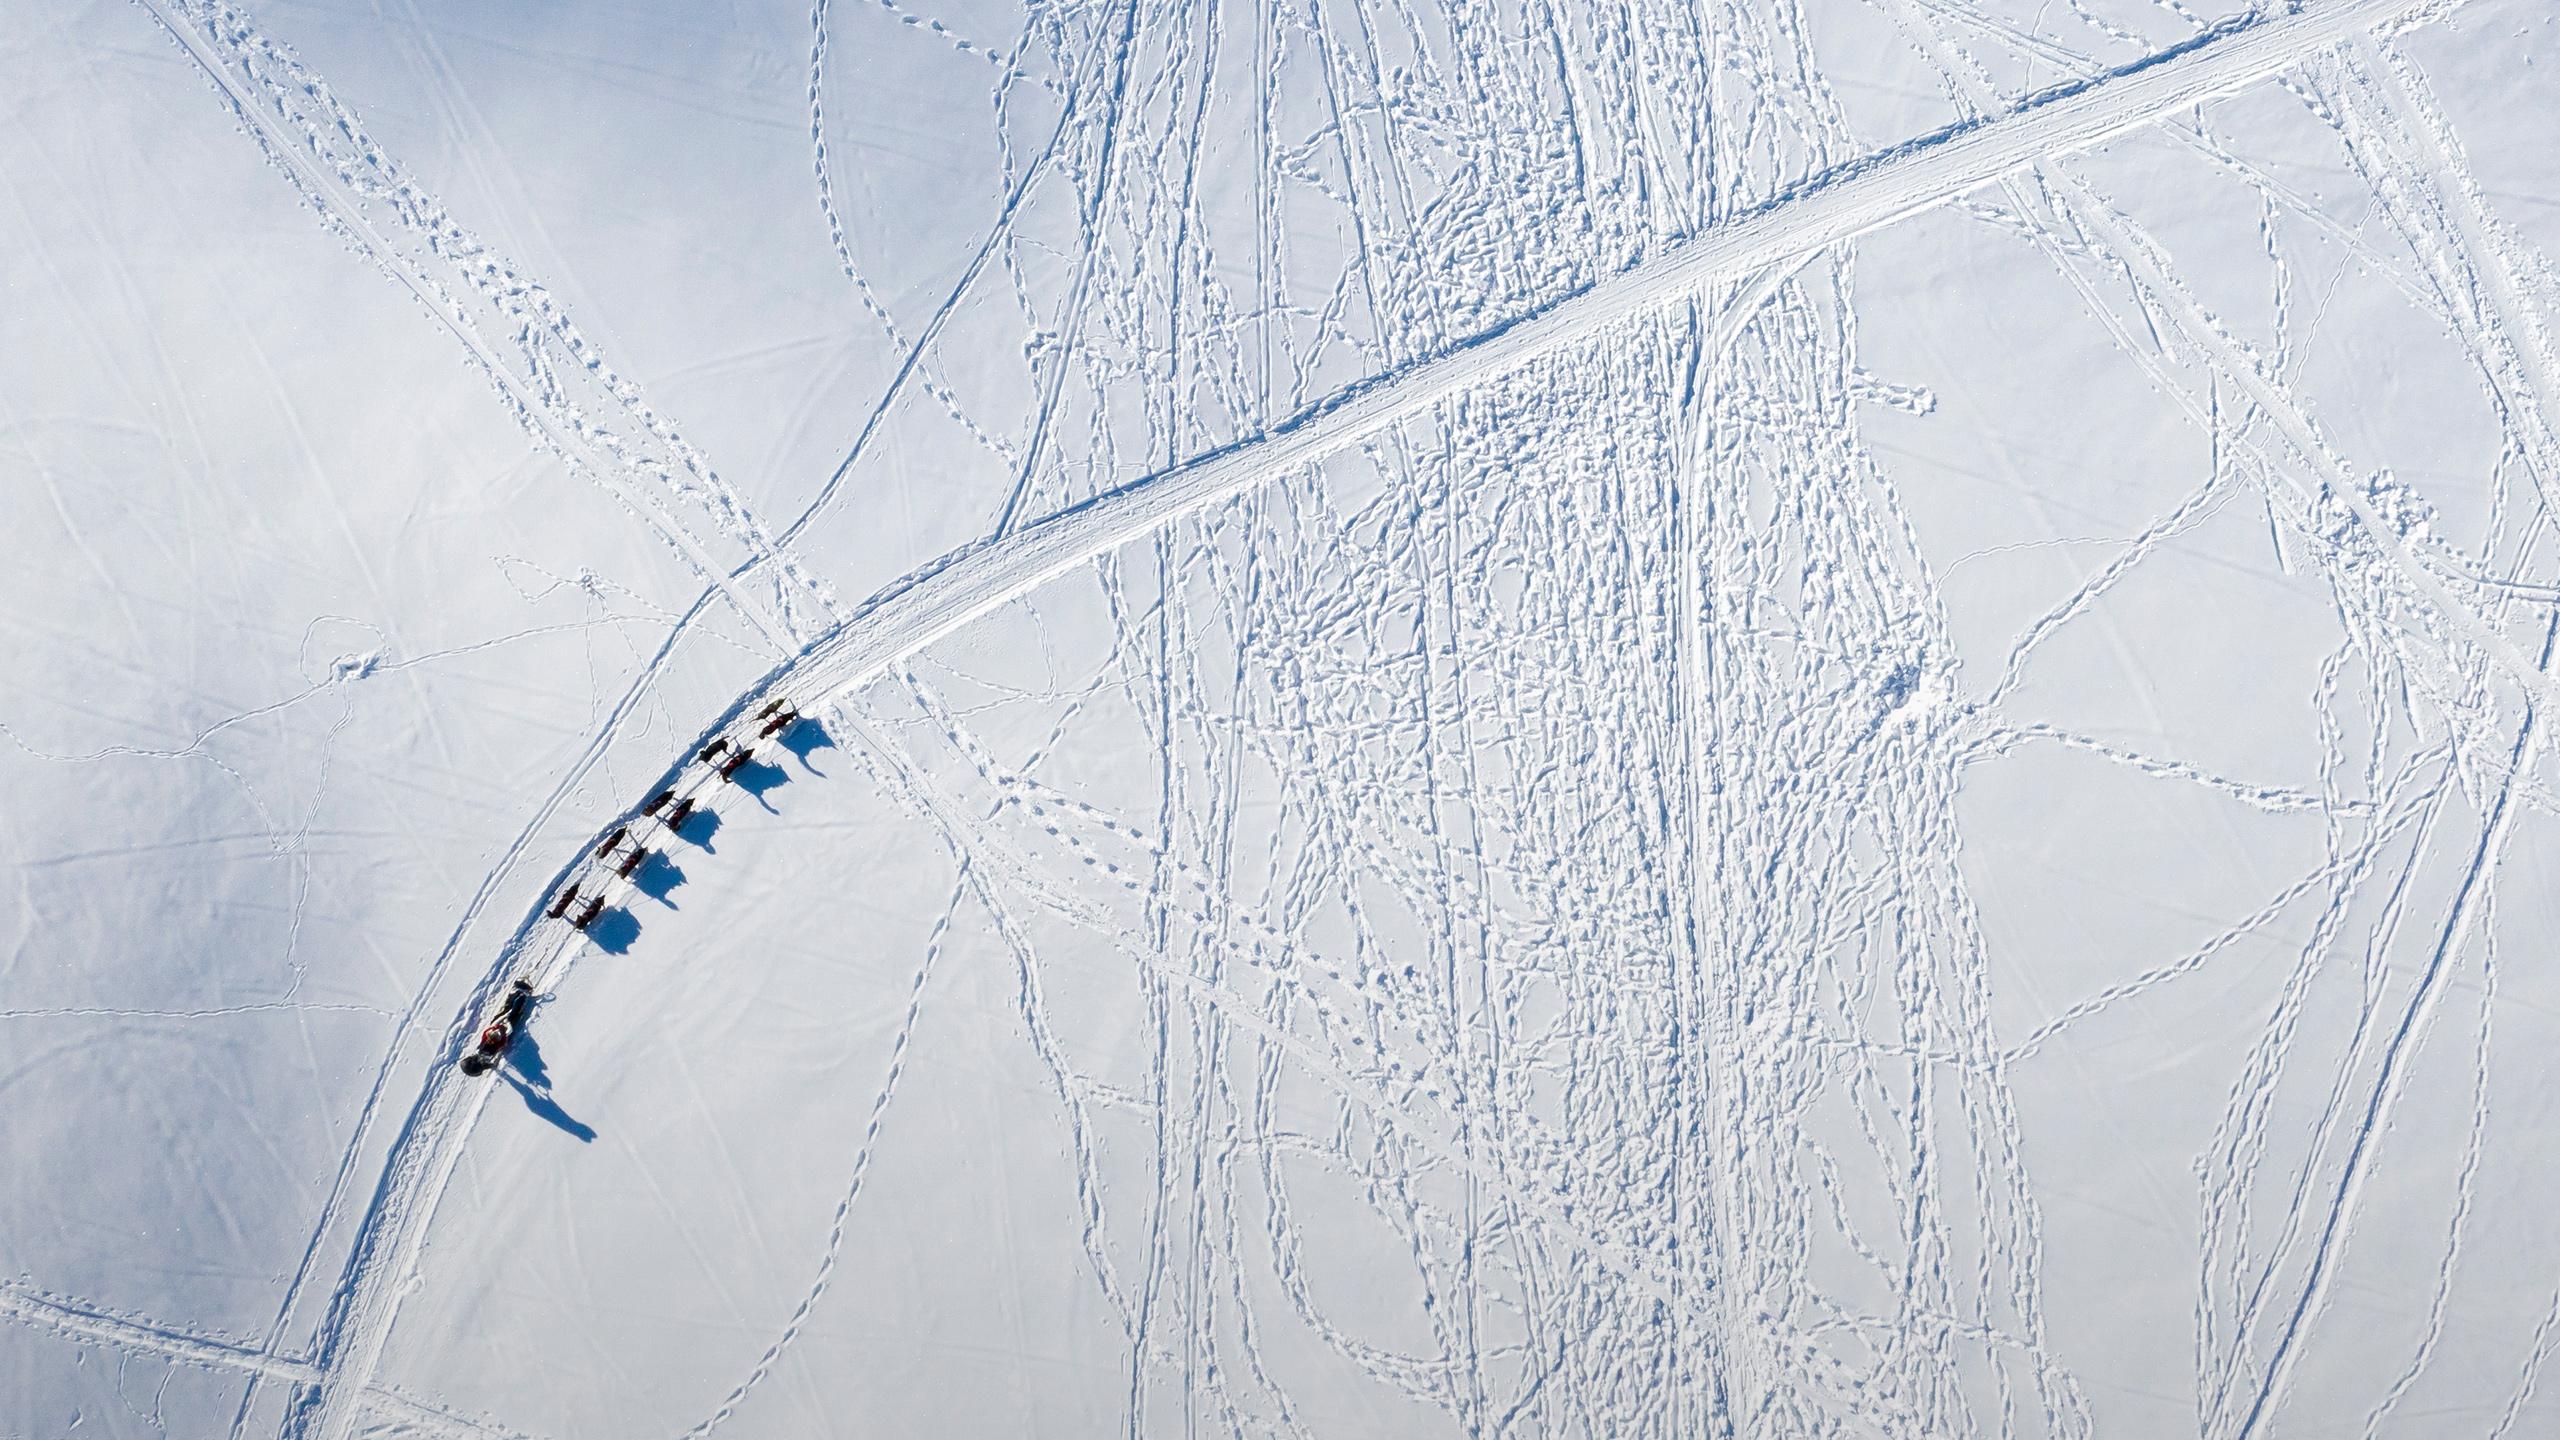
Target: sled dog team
670, 811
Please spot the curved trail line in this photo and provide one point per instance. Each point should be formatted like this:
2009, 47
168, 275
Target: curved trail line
1825, 211
1865, 196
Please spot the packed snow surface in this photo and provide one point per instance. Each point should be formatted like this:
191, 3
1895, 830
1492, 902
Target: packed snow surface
1650, 718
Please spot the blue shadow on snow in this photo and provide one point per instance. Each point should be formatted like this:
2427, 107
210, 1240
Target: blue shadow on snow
533, 1082
759, 779
657, 876
805, 738
698, 828
614, 930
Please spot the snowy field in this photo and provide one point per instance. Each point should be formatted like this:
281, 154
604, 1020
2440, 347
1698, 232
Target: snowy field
1768, 718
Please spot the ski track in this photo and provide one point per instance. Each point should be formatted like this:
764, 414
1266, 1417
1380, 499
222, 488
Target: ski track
1485, 924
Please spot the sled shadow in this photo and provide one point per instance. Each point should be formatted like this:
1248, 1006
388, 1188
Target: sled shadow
657, 876
531, 1081
614, 930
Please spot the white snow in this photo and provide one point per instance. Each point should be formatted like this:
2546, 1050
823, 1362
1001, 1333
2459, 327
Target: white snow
1772, 718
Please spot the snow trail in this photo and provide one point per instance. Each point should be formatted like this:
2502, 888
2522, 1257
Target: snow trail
1658, 1028
1836, 206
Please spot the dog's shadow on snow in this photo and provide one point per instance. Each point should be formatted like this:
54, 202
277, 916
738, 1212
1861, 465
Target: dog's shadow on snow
758, 780
698, 829
533, 1082
657, 877
805, 738
614, 930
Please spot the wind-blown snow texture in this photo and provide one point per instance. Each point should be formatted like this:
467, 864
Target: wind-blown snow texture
1778, 718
